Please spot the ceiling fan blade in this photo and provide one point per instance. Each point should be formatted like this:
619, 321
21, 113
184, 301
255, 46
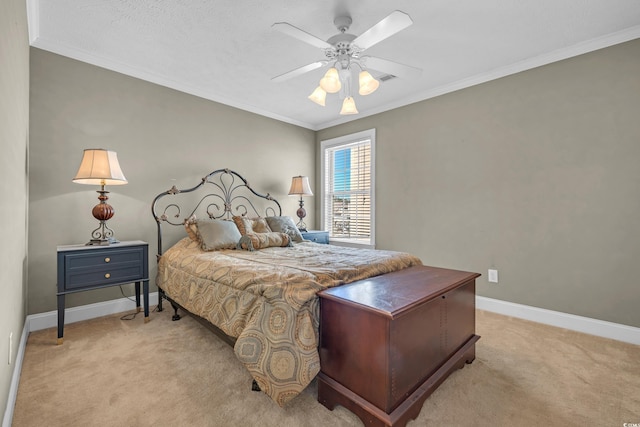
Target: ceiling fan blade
391, 67
298, 71
299, 34
396, 21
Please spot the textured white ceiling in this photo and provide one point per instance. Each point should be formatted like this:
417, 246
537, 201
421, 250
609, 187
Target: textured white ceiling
226, 51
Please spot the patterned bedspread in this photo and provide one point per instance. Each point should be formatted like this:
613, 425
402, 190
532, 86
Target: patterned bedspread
267, 300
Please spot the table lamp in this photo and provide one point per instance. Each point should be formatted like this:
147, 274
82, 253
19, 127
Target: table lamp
300, 187
101, 167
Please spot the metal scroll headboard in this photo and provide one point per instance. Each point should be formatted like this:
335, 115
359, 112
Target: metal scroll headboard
226, 193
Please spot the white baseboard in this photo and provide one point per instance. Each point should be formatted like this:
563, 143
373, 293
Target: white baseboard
84, 312
36, 322
15, 378
586, 325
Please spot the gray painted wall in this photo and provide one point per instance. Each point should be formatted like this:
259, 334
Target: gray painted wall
14, 142
534, 174
162, 137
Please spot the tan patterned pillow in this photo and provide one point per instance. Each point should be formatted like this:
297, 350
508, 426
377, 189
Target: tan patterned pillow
251, 225
255, 241
191, 226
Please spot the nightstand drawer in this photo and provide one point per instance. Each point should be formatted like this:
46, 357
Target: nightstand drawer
103, 258
316, 236
87, 269
89, 277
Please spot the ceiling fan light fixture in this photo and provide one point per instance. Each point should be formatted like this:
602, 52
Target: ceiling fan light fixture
367, 83
344, 50
318, 96
348, 106
330, 83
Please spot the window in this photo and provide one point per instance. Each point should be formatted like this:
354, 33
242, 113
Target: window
347, 201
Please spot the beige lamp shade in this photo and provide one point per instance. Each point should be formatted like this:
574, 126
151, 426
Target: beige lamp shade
100, 167
300, 186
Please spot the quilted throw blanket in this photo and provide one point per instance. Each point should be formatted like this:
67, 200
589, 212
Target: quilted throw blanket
266, 299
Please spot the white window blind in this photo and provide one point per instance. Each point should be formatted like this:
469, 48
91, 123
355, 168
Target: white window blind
348, 188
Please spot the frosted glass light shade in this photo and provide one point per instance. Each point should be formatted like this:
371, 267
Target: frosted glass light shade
318, 96
367, 83
330, 83
349, 106
100, 167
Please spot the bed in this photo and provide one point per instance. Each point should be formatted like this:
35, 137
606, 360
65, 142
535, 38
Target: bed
263, 298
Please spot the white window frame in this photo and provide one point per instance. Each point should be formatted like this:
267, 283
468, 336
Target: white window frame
369, 134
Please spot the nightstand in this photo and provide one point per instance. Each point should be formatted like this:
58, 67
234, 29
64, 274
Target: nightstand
316, 236
83, 268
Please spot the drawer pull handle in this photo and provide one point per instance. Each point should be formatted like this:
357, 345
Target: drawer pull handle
107, 275
107, 259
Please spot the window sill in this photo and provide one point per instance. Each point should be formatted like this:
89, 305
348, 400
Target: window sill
351, 243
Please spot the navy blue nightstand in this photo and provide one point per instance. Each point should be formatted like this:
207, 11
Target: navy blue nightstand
316, 236
83, 268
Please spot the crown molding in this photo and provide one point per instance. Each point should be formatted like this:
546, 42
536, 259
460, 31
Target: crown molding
33, 16
588, 46
33, 20
148, 76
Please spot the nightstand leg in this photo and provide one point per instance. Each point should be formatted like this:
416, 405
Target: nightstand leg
137, 297
60, 318
145, 293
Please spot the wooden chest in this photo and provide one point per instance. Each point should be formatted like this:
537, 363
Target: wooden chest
388, 342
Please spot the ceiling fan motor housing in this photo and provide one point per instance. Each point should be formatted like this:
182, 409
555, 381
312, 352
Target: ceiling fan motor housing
341, 43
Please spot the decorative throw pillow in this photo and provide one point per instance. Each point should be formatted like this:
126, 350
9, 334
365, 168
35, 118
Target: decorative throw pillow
251, 225
217, 234
255, 241
285, 224
191, 226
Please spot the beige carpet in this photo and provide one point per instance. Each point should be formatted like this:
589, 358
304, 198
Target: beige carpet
111, 372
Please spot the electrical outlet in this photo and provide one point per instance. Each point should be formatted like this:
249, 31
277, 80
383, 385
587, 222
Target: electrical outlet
10, 346
493, 276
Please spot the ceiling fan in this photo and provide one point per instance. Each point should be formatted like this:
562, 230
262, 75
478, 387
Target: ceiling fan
345, 50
